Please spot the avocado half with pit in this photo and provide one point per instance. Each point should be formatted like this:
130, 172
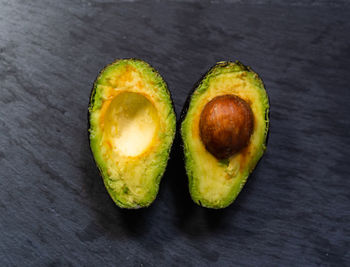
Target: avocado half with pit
224, 131
132, 127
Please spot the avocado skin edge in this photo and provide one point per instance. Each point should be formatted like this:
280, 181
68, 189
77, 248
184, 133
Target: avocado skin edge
187, 104
91, 97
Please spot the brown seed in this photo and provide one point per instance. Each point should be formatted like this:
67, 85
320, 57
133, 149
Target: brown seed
225, 125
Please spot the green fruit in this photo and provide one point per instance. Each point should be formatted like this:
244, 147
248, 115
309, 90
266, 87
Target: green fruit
224, 131
132, 127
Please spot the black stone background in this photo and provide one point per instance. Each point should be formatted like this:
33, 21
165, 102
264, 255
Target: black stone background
54, 209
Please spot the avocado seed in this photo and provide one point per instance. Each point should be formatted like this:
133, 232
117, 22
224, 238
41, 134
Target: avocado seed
225, 125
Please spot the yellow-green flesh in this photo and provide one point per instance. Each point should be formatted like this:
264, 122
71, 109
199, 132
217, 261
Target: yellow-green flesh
214, 183
132, 126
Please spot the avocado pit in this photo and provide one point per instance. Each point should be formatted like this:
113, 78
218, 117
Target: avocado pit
226, 124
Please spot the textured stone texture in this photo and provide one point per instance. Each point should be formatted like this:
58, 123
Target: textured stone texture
54, 209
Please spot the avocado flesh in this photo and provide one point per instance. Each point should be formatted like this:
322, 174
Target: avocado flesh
132, 127
215, 183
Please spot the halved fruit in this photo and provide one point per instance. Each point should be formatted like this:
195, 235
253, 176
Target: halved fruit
132, 127
224, 131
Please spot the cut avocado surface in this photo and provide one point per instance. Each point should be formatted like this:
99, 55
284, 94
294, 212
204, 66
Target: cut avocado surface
132, 127
224, 131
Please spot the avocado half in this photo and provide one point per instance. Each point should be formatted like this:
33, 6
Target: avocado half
224, 129
132, 127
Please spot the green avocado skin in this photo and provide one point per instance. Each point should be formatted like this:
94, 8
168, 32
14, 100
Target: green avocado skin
222, 64
114, 197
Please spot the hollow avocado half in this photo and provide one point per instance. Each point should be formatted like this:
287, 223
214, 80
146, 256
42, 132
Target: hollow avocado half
224, 130
131, 129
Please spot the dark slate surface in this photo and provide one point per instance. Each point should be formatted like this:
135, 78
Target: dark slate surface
54, 209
